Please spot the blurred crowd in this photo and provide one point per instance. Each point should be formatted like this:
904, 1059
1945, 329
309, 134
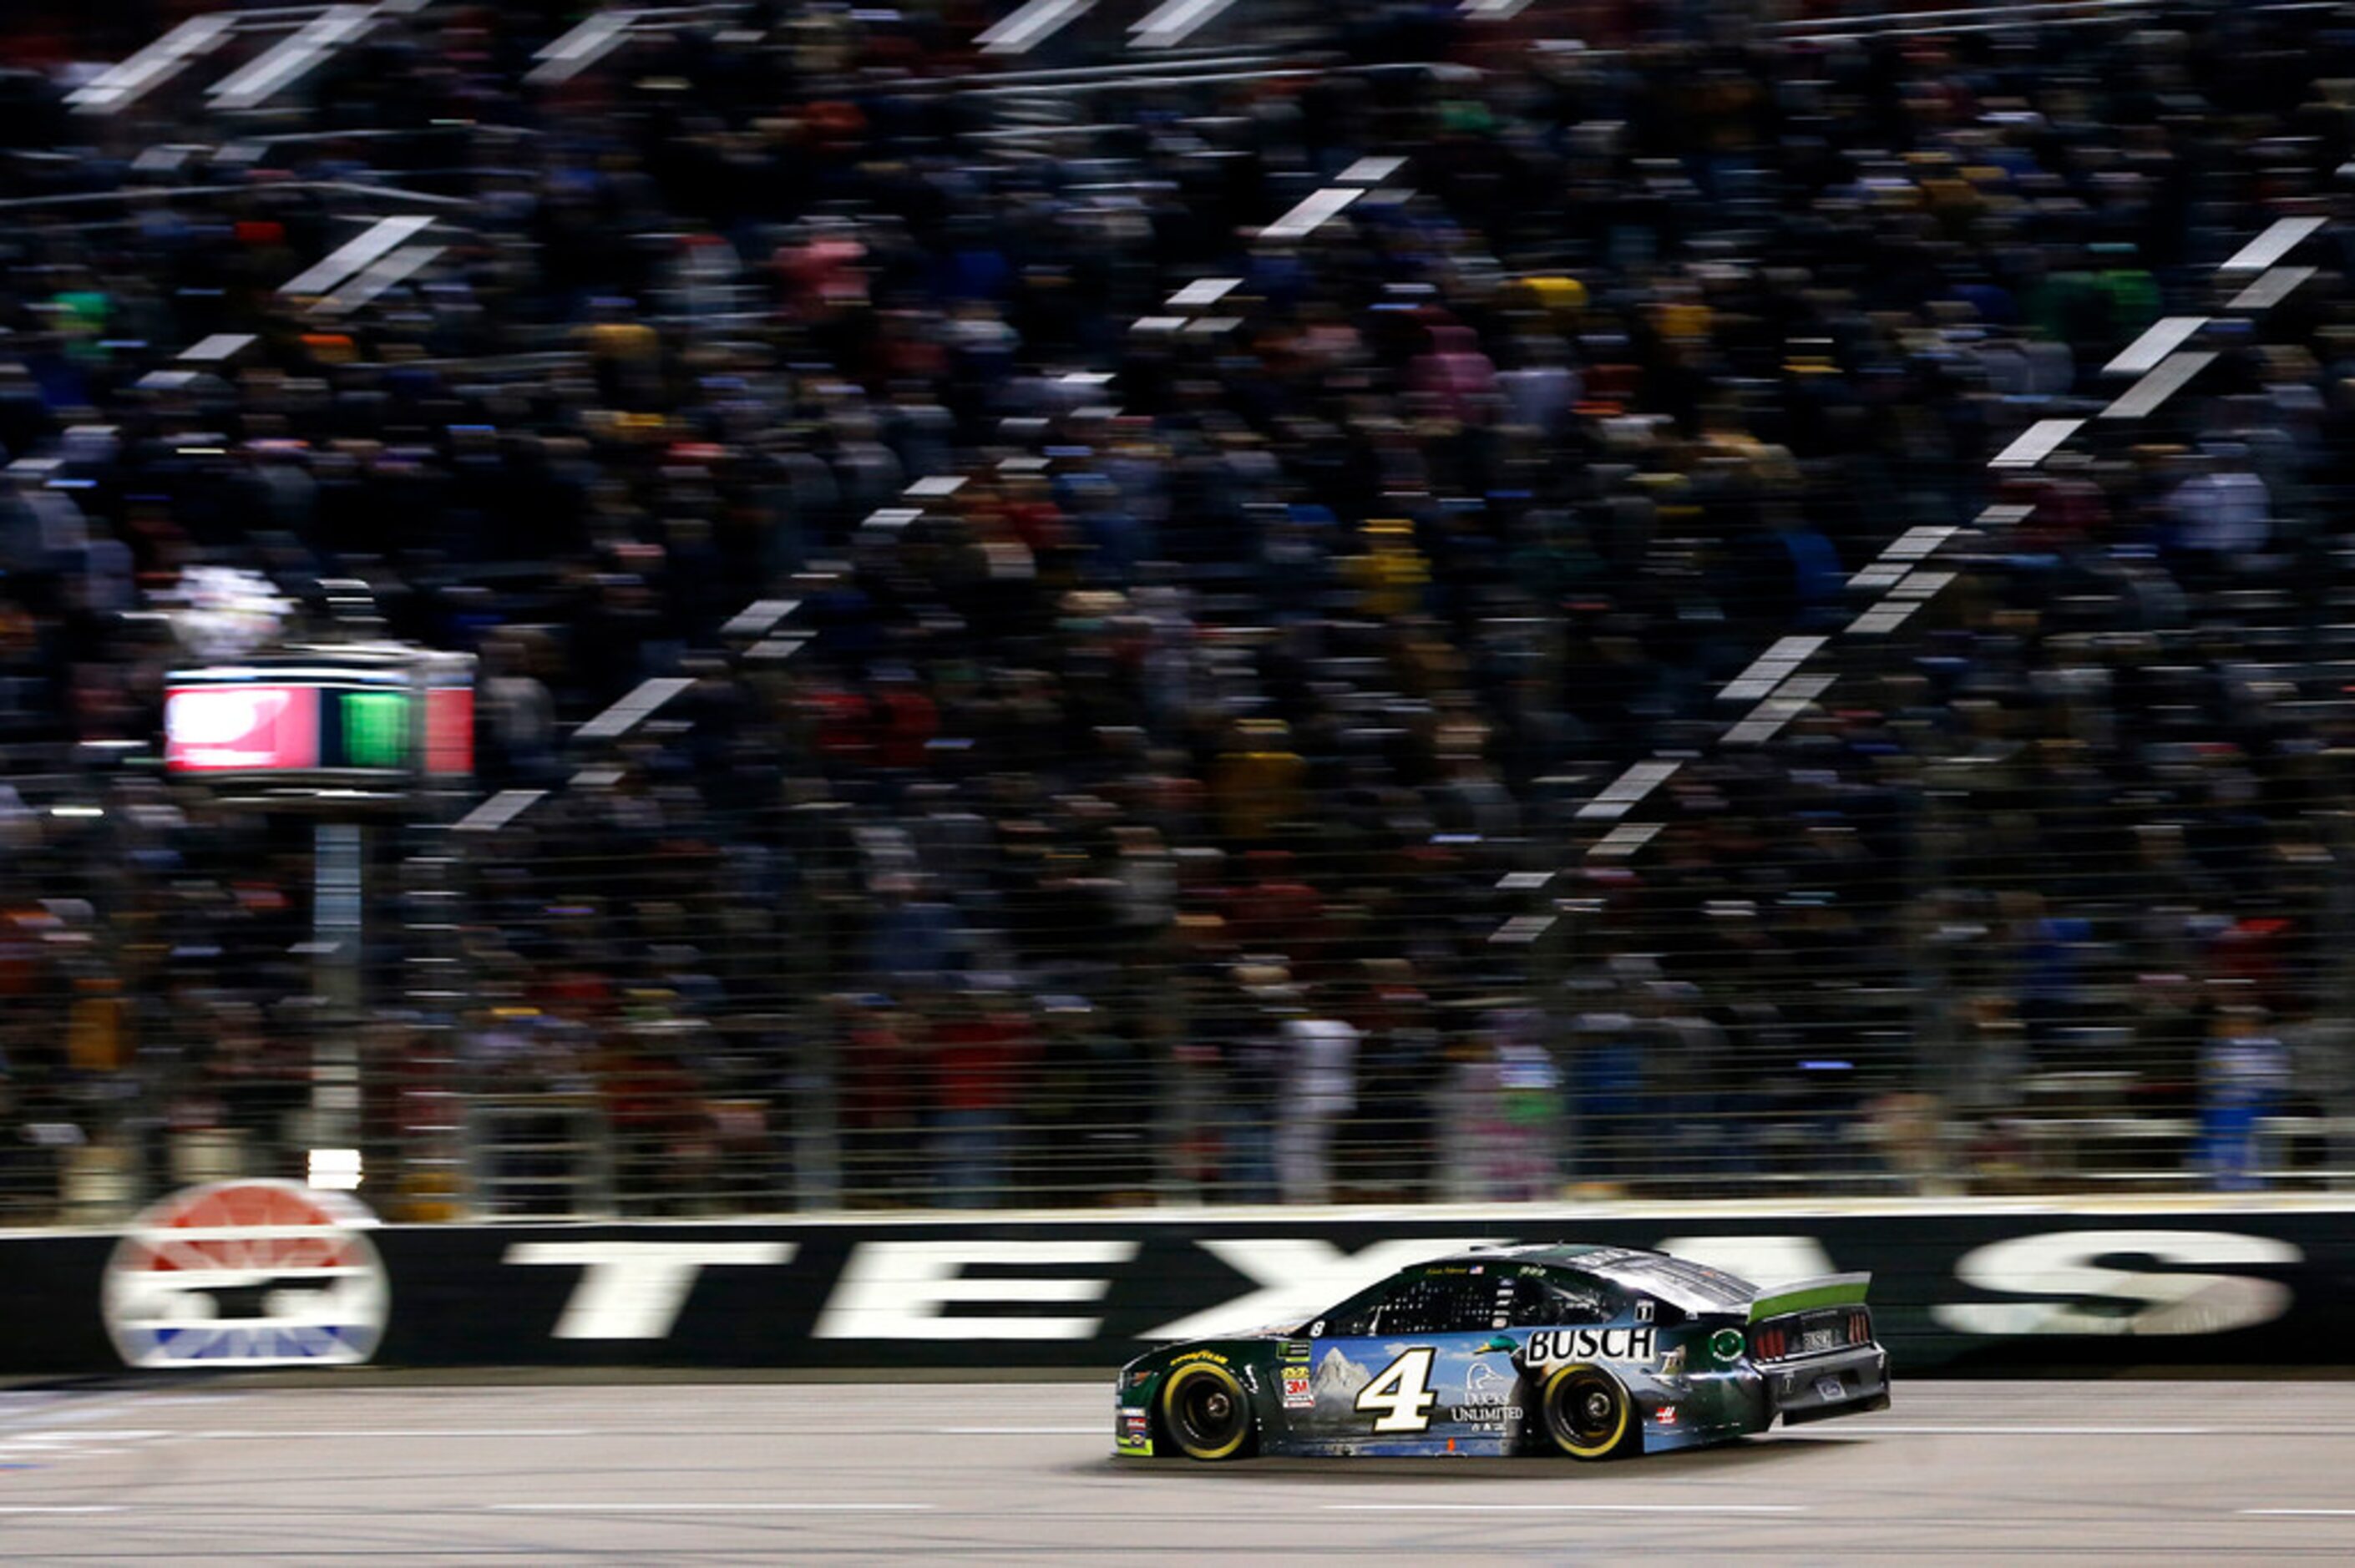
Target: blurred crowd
1176, 793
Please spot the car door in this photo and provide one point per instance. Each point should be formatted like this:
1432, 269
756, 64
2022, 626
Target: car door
1419, 1366
1559, 1316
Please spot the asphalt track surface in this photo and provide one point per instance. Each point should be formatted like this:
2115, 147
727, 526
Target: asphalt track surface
2110, 1472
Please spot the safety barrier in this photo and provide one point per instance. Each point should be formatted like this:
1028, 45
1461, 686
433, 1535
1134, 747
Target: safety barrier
272, 1274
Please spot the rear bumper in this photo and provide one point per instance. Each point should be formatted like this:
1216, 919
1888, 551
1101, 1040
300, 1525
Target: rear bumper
1847, 1382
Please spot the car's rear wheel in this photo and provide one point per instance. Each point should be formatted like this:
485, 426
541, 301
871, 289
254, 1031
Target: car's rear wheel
1205, 1412
1587, 1411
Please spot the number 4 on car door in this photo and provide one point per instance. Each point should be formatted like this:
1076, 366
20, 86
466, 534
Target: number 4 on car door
1403, 1389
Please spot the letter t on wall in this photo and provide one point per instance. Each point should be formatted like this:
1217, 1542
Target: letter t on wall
634, 1290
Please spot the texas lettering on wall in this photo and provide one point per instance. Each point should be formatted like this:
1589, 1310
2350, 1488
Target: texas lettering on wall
1984, 1290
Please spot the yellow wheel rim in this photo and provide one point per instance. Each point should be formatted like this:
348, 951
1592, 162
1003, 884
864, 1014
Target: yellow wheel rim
1618, 1397
1177, 1428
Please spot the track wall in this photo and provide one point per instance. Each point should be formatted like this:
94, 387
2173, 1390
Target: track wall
1956, 1292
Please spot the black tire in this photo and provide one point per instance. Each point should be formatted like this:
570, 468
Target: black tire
1205, 1413
1587, 1413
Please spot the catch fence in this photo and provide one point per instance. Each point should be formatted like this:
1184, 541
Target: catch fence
2050, 938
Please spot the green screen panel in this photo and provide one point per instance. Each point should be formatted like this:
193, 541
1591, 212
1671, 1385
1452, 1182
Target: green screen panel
376, 729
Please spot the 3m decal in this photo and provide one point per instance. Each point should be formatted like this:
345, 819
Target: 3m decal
2067, 1266
1592, 1344
1401, 1392
247, 1274
1299, 1394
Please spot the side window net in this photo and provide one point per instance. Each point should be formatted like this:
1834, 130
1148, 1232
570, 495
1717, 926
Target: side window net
1543, 1304
1438, 1304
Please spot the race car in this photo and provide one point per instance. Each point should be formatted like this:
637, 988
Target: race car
1588, 1351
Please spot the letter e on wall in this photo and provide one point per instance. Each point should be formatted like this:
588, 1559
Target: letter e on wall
898, 1290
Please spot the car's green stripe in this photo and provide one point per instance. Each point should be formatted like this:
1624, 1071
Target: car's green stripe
1839, 1290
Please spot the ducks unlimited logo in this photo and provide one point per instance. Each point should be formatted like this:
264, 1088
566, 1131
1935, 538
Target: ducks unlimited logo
247, 1274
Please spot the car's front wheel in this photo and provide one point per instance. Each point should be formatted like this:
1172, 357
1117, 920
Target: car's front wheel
1587, 1411
1205, 1412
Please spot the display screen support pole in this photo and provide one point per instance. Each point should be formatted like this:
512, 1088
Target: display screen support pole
339, 864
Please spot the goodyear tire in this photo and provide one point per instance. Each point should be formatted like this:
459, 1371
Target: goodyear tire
1205, 1413
1587, 1411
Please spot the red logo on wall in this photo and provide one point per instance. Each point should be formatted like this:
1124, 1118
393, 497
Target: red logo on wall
254, 1272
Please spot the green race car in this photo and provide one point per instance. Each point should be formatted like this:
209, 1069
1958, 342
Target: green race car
1590, 1352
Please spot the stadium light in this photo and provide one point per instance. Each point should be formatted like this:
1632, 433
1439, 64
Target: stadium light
121, 85
1024, 29
333, 1170
1175, 23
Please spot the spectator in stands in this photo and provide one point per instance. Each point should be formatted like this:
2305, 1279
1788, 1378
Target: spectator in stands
982, 1047
2243, 1069
1319, 1087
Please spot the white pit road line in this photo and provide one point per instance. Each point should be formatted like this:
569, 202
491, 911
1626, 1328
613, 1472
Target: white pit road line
264, 1434
2049, 1431
708, 1508
1020, 1431
1564, 1508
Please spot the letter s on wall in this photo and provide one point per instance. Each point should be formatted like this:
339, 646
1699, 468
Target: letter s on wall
2066, 1264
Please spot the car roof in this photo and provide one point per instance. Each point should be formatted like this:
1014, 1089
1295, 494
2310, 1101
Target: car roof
1692, 1286
1564, 1253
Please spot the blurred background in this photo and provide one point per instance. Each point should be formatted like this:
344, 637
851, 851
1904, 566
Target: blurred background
1086, 603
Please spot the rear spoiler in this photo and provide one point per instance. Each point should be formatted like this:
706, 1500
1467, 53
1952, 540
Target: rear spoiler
1802, 1294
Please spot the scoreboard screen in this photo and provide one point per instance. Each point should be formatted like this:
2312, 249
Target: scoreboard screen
373, 716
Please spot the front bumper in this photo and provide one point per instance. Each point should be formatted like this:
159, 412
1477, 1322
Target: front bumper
1132, 1432
1846, 1382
